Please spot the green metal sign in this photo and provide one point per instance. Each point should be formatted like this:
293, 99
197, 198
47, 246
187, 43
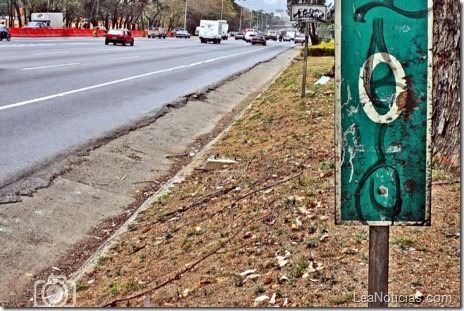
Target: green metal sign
383, 111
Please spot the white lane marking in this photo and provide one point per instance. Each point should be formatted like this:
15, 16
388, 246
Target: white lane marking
48, 67
41, 99
124, 58
53, 52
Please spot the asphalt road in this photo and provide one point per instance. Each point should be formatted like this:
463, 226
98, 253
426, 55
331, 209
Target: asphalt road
60, 94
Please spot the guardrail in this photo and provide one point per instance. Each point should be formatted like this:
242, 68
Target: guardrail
63, 32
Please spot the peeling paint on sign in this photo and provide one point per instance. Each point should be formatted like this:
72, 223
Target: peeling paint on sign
383, 111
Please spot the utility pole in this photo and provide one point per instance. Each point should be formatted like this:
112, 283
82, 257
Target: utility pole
222, 9
185, 15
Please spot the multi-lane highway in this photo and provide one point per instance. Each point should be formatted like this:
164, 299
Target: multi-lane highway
59, 94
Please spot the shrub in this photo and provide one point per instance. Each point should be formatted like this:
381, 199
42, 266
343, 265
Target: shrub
323, 49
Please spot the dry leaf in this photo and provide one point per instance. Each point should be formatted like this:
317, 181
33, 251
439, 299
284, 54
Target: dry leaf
187, 291
248, 235
282, 261
261, 298
324, 237
205, 282
270, 278
246, 272
273, 299
285, 302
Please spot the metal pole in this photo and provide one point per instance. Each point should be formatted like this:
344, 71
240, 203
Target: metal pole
185, 16
305, 62
222, 9
378, 266
241, 11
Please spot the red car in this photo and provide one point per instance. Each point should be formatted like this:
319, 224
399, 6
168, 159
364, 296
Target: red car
258, 39
122, 36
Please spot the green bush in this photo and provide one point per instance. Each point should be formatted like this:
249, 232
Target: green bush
323, 49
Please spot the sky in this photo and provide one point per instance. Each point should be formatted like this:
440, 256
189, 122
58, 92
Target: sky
267, 5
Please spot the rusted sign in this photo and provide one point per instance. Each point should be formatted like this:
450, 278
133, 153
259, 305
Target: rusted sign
383, 111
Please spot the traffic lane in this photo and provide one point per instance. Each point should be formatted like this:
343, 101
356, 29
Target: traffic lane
87, 73
34, 135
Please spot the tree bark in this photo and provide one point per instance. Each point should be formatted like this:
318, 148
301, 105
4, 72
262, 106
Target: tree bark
446, 84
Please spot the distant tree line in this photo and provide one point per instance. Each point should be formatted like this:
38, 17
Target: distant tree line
139, 14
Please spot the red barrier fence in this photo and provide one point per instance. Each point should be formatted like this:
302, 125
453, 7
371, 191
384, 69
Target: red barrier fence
62, 32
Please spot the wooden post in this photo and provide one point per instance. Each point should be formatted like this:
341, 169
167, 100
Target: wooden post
378, 265
305, 66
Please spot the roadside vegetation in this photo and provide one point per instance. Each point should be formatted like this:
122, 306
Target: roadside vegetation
261, 232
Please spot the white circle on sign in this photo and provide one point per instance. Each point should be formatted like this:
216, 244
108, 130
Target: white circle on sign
399, 75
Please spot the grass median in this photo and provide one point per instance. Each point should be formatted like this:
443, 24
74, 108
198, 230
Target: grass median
260, 232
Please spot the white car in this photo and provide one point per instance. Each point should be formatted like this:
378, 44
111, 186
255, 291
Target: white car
249, 35
300, 39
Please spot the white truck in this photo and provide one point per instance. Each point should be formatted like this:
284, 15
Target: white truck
224, 29
52, 20
212, 31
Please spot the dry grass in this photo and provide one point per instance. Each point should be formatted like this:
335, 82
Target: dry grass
265, 226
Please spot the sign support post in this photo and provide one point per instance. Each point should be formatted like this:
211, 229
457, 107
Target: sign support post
305, 62
307, 14
378, 266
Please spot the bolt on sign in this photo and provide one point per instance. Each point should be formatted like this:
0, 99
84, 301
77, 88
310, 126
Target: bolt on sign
383, 112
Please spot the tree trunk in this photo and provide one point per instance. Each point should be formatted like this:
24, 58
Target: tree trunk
446, 84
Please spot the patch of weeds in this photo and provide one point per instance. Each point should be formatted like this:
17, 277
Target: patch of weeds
186, 245
416, 283
142, 256
361, 235
312, 229
81, 287
103, 260
115, 289
258, 289
454, 251
403, 243
328, 165
301, 263
256, 116
341, 299
238, 281
162, 199
311, 243
363, 256
289, 81
131, 286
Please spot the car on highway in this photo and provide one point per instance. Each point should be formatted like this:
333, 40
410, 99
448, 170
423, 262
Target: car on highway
249, 35
271, 35
156, 32
122, 36
287, 38
299, 39
258, 39
239, 35
182, 34
36, 25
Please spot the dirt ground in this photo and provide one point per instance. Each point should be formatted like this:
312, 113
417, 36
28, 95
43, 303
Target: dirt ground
260, 231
